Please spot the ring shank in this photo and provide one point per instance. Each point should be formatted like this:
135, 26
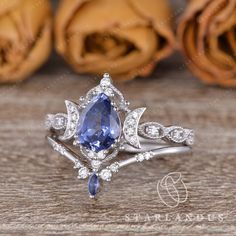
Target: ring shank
159, 152
151, 145
156, 149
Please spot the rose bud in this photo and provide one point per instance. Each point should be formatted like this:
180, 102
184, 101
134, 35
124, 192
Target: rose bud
125, 38
25, 37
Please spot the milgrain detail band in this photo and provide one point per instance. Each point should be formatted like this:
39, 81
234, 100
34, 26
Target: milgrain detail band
175, 134
101, 125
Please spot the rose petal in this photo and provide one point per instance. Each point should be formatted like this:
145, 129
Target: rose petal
121, 38
25, 38
203, 34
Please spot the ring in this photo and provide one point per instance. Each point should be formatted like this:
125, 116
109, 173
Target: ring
101, 125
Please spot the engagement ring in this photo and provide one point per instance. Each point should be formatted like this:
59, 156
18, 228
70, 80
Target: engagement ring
101, 125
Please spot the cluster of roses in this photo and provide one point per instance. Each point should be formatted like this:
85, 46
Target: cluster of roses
126, 38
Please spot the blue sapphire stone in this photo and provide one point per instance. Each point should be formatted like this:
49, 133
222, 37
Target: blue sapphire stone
99, 124
93, 184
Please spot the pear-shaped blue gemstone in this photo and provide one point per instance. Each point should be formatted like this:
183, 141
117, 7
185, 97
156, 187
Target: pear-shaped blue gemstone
93, 184
99, 124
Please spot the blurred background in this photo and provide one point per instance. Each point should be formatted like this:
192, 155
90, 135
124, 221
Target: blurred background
129, 39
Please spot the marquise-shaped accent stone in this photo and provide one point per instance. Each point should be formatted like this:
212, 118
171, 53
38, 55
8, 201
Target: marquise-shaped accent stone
93, 185
99, 124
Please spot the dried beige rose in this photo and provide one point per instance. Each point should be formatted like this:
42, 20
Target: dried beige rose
123, 37
207, 35
25, 37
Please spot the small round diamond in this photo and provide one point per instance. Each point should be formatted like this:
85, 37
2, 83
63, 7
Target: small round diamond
147, 156
83, 173
108, 92
135, 115
140, 157
77, 165
81, 98
101, 155
59, 121
74, 116
130, 131
177, 135
106, 75
106, 174
130, 122
90, 154
96, 164
153, 130
114, 167
190, 139
105, 82
72, 126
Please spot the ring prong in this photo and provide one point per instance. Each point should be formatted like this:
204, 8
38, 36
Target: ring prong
106, 75
127, 103
81, 98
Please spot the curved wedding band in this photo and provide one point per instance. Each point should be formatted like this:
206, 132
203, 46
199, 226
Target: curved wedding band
93, 132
